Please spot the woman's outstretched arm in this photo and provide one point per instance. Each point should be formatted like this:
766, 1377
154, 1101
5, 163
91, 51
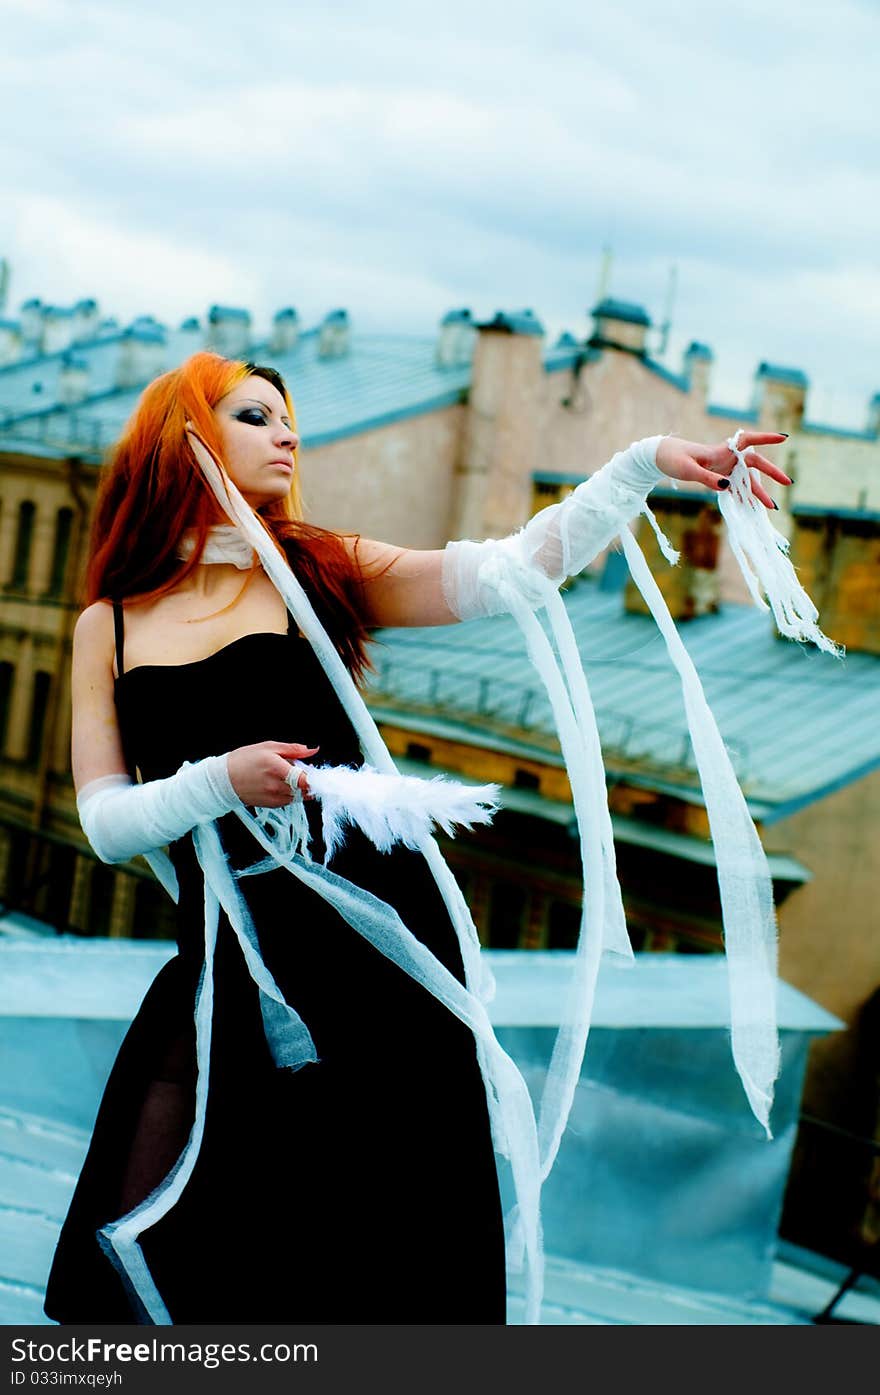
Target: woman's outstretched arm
406, 586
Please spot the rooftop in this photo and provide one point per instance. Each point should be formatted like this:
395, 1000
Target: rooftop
446, 680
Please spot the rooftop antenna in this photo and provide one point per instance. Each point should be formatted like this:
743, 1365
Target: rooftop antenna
604, 273
666, 326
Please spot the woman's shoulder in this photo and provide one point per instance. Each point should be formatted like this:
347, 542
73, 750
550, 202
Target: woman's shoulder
95, 622
94, 636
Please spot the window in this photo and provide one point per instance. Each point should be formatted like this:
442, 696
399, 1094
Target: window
506, 912
415, 751
526, 780
39, 706
63, 528
563, 925
20, 566
7, 678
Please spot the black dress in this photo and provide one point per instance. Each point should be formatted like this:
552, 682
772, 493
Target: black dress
361, 1188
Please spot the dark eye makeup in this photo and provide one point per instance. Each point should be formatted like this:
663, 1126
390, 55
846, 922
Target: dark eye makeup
252, 416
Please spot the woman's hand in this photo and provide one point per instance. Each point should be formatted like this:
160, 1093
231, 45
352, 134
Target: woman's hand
710, 465
260, 774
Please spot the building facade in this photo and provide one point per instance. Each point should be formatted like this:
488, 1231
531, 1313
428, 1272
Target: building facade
467, 433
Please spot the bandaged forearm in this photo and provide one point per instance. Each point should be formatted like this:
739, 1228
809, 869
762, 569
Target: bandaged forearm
121, 819
558, 542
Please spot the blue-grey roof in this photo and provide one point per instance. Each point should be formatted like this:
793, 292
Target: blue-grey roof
833, 511
676, 380
383, 378
628, 310
715, 409
779, 374
818, 428
697, 350
474, 683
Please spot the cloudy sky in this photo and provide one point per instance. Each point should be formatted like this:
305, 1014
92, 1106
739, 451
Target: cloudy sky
400, 159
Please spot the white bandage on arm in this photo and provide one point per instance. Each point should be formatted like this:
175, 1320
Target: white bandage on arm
121, 819
558, 542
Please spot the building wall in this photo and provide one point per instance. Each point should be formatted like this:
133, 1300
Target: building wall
394, 483
830, 950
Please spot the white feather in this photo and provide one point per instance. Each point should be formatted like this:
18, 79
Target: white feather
391, 809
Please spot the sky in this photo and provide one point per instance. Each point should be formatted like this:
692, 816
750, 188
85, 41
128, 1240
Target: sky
401, 160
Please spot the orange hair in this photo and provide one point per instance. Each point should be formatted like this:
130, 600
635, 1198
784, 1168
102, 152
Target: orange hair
152, 491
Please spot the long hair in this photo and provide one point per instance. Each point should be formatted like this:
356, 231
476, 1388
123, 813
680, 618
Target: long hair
152, 491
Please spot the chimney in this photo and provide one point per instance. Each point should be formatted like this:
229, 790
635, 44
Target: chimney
873, 424
836, 553
57, 332
32, 322
73, 379
691, 521
620, 324
455, 339
229, 331
10, 341
334, 336
190, 336
779, 397
698, 370
85, 320
285, 331
493, 483
141, 354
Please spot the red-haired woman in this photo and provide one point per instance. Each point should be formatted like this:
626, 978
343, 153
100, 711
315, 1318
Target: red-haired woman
300, 1122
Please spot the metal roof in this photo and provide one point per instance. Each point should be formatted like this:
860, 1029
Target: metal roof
475, 683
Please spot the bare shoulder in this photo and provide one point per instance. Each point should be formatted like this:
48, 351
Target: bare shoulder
93, 640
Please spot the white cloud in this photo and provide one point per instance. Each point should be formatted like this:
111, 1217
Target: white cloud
480, 154
129, 272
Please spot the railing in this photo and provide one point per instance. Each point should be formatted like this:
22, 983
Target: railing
511, 708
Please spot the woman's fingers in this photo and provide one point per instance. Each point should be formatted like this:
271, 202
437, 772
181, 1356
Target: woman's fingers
760, 438
760, 492
760, 462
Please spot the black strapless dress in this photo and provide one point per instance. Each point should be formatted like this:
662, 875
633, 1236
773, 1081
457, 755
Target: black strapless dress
359, 1189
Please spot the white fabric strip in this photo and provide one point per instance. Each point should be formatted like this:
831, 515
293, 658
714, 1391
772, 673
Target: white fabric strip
119, 1239
762, 554
743, 875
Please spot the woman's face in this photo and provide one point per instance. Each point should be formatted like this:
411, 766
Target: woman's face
258, 440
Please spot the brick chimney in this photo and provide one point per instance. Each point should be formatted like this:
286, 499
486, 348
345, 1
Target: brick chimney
10, 341
691, 521
455, 339
141, 354
836, 553
334, 336
73, 379
285, 331
229, 331
779, 397
698, 370
620, 324
500, 447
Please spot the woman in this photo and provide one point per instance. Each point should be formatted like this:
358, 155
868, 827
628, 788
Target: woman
361, 1184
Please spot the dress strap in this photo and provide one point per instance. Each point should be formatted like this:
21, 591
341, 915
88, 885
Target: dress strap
119, 631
